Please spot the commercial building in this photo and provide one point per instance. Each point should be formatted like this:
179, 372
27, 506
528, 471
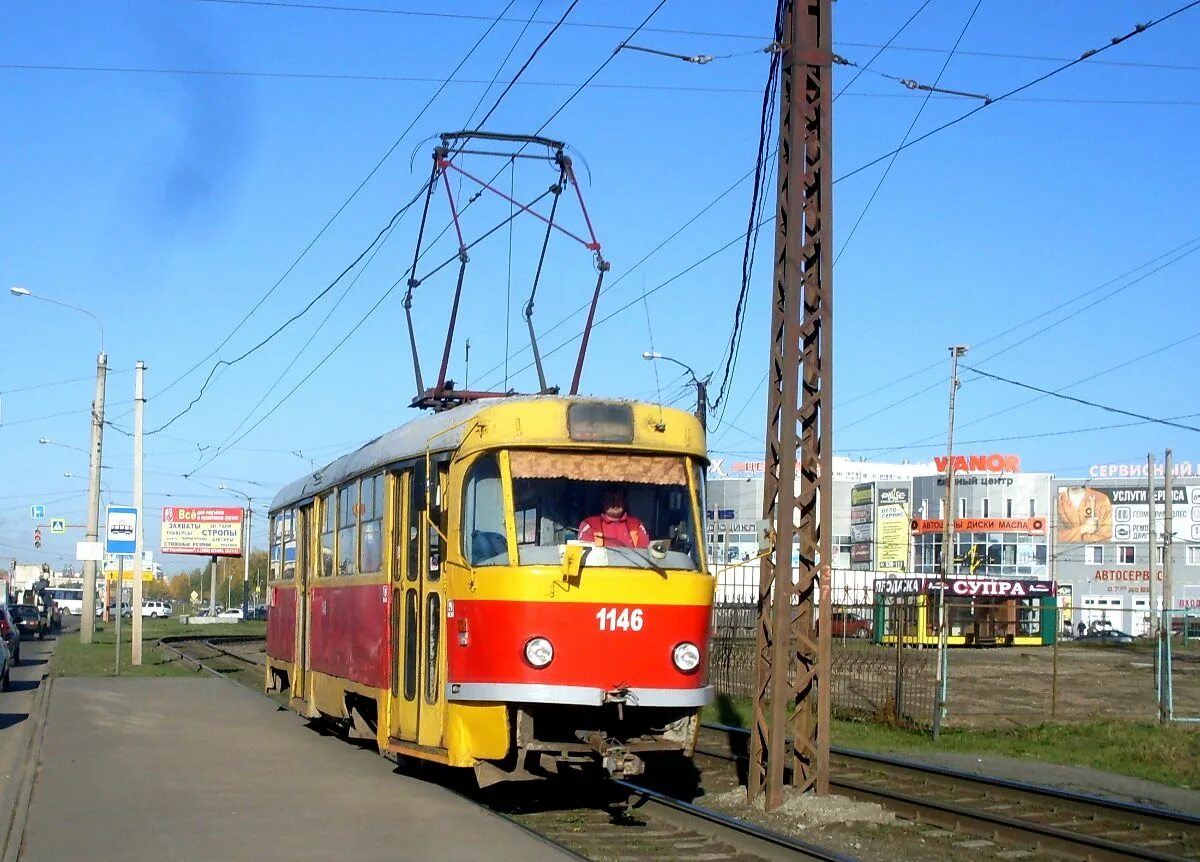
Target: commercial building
1015, 534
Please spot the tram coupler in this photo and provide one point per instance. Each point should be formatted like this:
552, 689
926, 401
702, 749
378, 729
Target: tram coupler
616, 758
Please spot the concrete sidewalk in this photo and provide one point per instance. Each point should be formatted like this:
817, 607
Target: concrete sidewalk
198, 769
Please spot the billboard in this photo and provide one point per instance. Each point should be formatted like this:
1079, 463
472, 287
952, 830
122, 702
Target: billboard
209, 531
1101, 513
891, 529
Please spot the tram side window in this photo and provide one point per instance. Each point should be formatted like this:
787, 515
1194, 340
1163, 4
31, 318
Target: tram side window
276, 547
372, 524
483, 535
327, 529
289, 545
347, 540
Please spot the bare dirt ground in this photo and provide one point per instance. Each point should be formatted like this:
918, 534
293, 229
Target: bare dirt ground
1022, 686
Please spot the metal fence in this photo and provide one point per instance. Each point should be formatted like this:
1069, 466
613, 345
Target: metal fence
1096, 675
868, 682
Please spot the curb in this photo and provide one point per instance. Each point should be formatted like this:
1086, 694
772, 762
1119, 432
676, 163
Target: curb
14, 829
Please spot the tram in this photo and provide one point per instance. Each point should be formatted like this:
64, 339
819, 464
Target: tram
432, 591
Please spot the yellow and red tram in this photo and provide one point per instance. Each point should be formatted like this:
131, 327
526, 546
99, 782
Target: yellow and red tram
430, 588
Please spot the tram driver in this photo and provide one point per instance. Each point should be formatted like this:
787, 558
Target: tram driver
613, 527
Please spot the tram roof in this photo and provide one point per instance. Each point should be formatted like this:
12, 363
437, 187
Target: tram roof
434, 431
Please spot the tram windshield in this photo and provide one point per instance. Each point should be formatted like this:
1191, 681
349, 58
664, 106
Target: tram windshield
634, 511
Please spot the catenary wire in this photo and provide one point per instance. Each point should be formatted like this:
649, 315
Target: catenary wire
370, 175
1086, 55
904, 140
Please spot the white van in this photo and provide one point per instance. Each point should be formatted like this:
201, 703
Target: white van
156, 609
69, 600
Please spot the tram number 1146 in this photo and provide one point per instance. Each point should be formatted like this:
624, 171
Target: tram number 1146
625, 619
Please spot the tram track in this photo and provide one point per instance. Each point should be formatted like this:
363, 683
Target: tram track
623, 823
1050, 820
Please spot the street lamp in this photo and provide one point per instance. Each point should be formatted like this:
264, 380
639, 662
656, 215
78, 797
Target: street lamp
246, 526
87, 623
701, 384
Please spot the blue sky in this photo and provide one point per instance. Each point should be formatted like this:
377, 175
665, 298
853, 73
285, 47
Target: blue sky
170, 203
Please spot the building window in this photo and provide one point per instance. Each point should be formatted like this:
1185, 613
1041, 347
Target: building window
987, 508
1126, 554
1008, 507
1032, 507
1093, 555
841, 551
941, 507
924, 509
962, 507
1159, 554
1193, 555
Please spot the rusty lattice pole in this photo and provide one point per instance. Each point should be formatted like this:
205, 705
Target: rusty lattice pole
792, 691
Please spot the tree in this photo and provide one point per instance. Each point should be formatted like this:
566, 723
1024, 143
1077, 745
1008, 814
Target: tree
180, 587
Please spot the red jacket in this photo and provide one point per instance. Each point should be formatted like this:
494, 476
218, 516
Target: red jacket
625, 532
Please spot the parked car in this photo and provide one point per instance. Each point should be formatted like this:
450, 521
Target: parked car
155, 609
848, 625
258, 613
231, 614
9, 635
1106, 636
29, 620
6, 663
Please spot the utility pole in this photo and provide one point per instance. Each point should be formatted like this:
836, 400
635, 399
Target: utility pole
246, 571
212, 597
87, 621
792, 689
1152, 546
1164, 635
939, 709
139, 406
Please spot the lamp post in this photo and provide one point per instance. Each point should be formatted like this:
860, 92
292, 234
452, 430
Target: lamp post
87, 622
248, 520
701, 384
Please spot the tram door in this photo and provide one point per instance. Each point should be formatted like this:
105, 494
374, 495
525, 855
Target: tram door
405, 543
418, 606
304, 576
433, 611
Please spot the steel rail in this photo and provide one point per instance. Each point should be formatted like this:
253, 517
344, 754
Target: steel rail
1070, 809
741, 833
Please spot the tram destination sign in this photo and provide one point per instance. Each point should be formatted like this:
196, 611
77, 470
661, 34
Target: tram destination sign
208, 531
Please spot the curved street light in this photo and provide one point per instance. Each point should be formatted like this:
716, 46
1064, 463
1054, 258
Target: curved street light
24, 291
700, 383
87, 622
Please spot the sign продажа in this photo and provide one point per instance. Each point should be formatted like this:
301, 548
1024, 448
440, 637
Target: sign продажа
208, 531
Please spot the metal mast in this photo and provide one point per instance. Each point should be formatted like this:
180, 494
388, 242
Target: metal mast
792, 690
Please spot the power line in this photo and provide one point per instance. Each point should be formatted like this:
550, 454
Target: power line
325, 227
1086, 55
925, 101
1083, 401
468, 17
862, 69
388, 292
758, 197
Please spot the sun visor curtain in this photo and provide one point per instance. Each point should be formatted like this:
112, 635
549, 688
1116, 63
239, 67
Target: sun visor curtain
643, 469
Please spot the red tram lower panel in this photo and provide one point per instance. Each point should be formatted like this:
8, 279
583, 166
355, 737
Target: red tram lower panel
350, 633
601, 652
281, 625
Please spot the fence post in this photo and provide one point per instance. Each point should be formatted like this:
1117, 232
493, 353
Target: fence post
1054, 675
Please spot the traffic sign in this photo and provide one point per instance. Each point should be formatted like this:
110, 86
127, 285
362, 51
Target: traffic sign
38, 512
58, 525
89, 551
121, 530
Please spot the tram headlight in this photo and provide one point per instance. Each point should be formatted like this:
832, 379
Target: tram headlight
686, 657
539, 652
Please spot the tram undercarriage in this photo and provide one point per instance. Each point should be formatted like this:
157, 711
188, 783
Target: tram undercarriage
551, 739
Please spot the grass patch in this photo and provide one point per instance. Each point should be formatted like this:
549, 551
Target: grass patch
1168, 754
73, 658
